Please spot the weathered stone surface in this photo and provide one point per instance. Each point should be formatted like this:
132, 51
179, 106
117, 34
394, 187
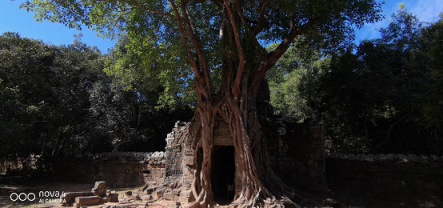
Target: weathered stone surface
113, 197
176, 192
150, 190
147, 197
158, 194
69, 197
87, 200
100, 188
168, 196
128, 193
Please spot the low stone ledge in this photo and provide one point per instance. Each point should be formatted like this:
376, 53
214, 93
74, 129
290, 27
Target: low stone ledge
387, 157
86, 201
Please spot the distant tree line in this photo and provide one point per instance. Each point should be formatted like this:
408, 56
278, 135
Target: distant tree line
57, 102
384, 96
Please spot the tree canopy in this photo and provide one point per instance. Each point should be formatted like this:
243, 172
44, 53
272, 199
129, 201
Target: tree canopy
155, 31
382, 97
56, 102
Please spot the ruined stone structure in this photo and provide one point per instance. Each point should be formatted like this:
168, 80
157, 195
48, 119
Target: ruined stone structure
306, 166
297, 152
98, 195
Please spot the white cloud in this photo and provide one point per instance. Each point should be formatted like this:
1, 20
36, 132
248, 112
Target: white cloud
427, 10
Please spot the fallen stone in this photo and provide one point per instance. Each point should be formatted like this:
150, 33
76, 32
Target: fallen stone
87, 200
176, 192
150, 190
147, 198
168, 196
100, 188
124, 201
157, 194
69, 197
113, 197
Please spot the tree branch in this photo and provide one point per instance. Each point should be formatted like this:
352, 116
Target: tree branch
185, 42
197, 46
251, 35
261, 18
273, 56
242, 61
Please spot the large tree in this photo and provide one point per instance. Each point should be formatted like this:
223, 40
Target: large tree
222, 43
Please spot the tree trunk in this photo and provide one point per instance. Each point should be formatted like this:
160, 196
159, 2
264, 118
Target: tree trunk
244, 64
257, 182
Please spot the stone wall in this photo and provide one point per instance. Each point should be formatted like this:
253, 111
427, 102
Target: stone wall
121, 169
396, 176
297, 152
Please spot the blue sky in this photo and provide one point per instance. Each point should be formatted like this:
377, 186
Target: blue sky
18, 20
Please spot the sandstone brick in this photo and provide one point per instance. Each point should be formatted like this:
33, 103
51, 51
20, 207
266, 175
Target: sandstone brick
150, 190
99, 188
87, 200
70, 196
147, 197
168, 196
176, 192
157, 194
113, 197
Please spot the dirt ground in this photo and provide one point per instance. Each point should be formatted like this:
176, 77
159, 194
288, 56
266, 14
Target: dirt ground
345, 198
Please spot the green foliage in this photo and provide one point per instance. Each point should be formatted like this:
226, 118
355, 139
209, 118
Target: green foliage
151, 40
56, 102
432, 105
145, 62
44, 97
384, 97
376, 100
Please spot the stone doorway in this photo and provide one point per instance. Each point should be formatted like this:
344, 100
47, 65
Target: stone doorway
222, 174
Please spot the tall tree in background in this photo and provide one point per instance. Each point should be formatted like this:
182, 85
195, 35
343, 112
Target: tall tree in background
385, 97
220, 42
56, 102
44, 99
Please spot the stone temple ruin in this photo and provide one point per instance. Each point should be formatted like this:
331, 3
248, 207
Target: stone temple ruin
307, 167
303, 165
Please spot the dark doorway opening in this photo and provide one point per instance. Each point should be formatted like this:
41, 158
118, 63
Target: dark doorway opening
222, 174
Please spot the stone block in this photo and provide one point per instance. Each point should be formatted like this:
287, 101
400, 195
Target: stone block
100, 188
168, 196
105, 199
113, 197
147, 197
69, 197
183, 199
87, 200
150, 190
157, 194
176, 192
188, 160
186, 193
